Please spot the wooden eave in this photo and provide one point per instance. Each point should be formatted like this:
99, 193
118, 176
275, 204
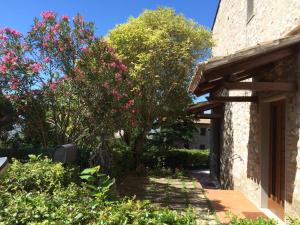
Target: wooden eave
203, 106
210, 75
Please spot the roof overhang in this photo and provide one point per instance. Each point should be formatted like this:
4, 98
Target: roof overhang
211, 74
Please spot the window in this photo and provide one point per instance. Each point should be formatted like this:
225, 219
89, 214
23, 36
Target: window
250, 10
203, 131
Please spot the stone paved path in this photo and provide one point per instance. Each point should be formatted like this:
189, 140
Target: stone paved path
176, 194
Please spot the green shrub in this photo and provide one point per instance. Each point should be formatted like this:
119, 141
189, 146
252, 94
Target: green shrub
28, 197
36, 175
176, 158
123, 159
22, 153
259, 221
293, 221
141, 212
187, 158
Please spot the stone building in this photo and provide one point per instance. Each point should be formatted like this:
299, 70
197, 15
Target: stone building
253, 83
201, 138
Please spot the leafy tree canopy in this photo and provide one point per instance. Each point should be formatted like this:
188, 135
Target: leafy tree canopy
160, 49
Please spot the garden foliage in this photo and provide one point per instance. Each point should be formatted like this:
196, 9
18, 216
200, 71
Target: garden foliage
43, 192
64, 84
176, 158
160, 49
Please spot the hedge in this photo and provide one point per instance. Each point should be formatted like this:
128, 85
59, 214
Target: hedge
177, 158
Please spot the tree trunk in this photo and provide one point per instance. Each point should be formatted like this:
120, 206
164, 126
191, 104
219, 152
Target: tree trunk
139, 145
102, 157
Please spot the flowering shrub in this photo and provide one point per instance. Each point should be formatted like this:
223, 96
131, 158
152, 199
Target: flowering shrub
61, 79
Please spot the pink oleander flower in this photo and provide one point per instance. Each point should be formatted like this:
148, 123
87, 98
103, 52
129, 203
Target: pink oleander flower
64, 17
118, 77
10, 58
47, 15
123, 68
14, 83
110, 49
53, 86
55, 28
105, 85
13, 32
113, 65
116, 95
35, 67
3, 37
78, 19
25, 47
38, 25
85, 50
3, 69
47, 59
129, 104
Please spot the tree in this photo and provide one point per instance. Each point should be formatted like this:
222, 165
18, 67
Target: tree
169, 136
160, 49
34, 68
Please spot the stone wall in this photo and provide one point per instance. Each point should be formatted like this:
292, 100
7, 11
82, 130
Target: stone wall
241, 158
272, 19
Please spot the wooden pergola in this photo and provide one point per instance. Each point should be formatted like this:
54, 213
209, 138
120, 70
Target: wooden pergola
231, 72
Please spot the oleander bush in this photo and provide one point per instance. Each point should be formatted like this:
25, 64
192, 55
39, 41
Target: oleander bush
42, 192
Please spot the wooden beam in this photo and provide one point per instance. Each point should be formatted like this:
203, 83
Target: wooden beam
203, 106
261, 86
209, 116
248, 61
272, 98
233, 98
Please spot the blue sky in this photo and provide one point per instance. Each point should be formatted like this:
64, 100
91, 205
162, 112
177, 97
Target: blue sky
106, 14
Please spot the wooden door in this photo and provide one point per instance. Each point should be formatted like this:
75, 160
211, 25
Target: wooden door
277, 158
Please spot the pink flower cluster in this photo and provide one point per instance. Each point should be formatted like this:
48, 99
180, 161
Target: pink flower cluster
105, 85
118, 65
48, 15
116, 95
3, 69
36, 67
128, 104
47, 59
85, 50
11, 31
118, 77
10, 58
38, 25
14, 83
78, 19
54, 85
64, 17
55, 29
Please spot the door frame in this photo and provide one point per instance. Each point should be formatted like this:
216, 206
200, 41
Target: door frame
264, 146
276, 202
